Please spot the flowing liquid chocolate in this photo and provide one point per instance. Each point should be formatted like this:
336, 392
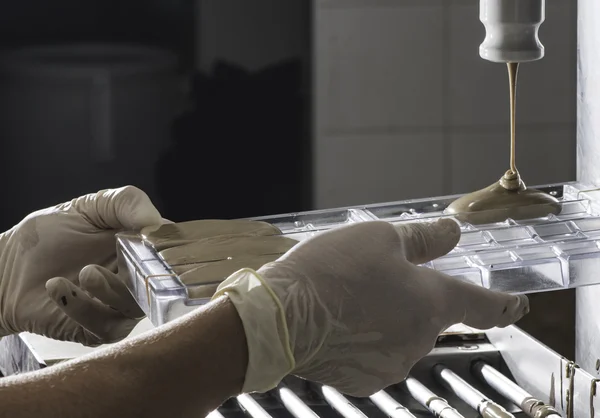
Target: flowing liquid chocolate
509, 197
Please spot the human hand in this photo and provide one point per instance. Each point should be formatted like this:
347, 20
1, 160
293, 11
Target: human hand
57, 268
351, 309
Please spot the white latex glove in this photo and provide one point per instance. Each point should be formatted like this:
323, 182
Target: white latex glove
350, 309
57, 268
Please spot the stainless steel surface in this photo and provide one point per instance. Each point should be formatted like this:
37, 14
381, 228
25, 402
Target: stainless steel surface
342, 405
510, 390
252, 407
471, 396
390, 406
588, 154
294, 404
545, 374
435, 404
17, 357
501, 384
463, 390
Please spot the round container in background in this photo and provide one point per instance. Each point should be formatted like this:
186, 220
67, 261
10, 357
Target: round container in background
79, 118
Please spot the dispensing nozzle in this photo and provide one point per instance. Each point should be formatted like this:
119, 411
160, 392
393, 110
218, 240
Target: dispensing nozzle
511, 30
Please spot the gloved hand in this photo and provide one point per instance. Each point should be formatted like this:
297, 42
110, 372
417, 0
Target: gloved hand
57, 269
350, 309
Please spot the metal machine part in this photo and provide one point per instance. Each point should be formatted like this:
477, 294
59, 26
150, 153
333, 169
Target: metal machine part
471, 396
341, 404
294, 404
436, 405
390, 406
251, 406
533, 407
504, 365
511, 28
503, 373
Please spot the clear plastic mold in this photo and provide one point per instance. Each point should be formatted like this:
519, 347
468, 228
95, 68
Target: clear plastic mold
517, 256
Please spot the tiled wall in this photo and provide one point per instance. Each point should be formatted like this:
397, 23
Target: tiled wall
405, 108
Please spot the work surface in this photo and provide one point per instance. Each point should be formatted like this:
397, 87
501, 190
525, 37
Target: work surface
27, 352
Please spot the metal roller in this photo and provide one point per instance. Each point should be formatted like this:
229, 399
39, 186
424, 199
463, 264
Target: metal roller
341, 404
390, 406
294, 404
436, 405
467, 393
531, 406
251, 407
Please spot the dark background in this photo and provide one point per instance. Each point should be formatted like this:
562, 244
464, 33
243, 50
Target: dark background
237, 146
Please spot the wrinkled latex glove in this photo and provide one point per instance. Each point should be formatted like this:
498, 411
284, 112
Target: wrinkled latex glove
57, 268
350, 308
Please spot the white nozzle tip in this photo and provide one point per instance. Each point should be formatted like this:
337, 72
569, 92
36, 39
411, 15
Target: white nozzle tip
505, 56
511, 30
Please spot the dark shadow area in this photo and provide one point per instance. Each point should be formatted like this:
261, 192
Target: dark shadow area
223, 144
161, 23
551, 320
240, 152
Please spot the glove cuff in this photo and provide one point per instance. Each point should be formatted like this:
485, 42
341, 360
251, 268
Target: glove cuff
270, 357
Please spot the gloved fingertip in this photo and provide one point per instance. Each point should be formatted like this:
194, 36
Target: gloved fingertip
426, 241
525, 303
485, 309
55, 284
520, 309
60, 290
90, 271
443, 235
134, 208
447, 226
92, 279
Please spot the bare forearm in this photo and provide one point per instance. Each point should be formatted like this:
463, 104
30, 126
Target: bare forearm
187, 368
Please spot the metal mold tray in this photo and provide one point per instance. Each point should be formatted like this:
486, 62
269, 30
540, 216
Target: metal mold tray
523, 256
